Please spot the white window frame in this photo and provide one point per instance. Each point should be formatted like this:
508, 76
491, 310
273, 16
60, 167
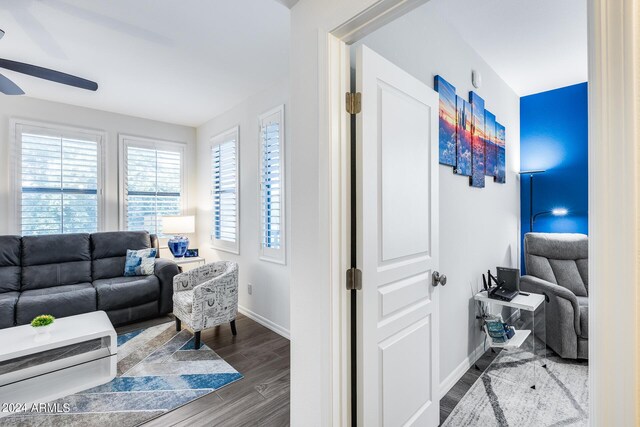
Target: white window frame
224, 137
124, 142
277, 256
15, 127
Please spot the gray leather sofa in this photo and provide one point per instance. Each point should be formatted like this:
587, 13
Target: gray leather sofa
68, 274
557, 266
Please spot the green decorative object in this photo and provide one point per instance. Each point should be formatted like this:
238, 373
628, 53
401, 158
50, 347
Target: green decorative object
42, 320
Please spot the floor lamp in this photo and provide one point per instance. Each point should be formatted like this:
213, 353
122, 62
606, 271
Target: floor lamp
531, 173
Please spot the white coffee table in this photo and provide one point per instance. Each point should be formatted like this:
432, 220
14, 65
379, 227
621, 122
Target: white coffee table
80, 353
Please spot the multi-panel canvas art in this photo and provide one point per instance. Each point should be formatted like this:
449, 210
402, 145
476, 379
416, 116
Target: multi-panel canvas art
491, 167
447, 114
463, 133
500, 154
477, 141
470, 139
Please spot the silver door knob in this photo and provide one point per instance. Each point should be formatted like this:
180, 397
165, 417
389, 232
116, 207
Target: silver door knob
439, 279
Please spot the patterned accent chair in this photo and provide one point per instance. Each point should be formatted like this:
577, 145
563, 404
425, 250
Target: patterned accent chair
206, 296
557, 266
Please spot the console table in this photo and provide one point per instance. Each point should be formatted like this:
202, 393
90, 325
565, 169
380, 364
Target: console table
532, 306
80, 353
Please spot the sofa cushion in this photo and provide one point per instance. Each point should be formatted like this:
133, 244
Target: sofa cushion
583, 303
133, 314
55, 260
10, 248
122, 292
61, 301
109, 250
8, 309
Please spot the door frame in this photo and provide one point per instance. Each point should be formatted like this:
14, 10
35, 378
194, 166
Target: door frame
608, 24
335, 127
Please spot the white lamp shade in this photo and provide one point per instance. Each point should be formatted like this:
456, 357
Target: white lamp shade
178, 224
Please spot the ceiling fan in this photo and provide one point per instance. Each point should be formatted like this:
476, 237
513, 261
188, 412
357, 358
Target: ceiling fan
10, 88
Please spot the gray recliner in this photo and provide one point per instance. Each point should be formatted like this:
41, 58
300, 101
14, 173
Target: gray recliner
557, 266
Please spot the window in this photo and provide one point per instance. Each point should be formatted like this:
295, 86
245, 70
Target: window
58, 179
152, 182
224, 191
272, 222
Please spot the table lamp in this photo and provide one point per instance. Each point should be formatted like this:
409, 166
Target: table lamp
178, 226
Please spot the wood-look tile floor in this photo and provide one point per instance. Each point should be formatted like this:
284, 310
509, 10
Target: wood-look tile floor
457, 392
261, 398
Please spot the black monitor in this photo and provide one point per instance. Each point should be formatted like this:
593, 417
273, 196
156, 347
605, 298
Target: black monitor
509, 278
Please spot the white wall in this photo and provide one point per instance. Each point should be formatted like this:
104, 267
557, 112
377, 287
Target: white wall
23, 107
269, 302
478, 227
311, 389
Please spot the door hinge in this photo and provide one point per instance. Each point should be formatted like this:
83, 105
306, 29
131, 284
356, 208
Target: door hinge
354, 279
354, 102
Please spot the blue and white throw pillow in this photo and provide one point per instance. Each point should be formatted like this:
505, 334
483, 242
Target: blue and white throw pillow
141, 262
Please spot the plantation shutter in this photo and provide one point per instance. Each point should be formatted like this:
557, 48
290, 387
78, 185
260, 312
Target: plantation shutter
59, 181
271, 185
153, 186
224, 173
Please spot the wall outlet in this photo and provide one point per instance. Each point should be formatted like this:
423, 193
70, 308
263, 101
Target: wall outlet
250, 288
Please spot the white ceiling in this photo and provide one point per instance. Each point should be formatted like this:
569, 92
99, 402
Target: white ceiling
533, 45
180, 62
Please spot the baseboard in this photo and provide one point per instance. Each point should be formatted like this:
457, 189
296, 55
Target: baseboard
460, 370
265, 322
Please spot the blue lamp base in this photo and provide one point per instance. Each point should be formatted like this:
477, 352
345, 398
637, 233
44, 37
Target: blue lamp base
178, 246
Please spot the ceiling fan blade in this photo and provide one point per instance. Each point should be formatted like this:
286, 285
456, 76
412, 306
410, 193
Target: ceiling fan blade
8, 87
1, 34
47, 74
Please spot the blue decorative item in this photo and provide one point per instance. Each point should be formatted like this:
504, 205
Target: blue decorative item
178, 246
140, 262
447, 123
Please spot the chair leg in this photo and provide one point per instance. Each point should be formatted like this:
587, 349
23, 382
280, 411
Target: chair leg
197, 343
233, 327
178, 325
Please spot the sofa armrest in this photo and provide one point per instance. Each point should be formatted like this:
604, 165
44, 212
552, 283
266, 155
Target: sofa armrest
165, 270
551, 290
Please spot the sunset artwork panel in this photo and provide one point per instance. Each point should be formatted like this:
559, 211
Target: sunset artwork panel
500, 154
463, 132
491, 167
447, 122
477, 141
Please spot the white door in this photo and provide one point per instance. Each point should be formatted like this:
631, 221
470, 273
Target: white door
397, 246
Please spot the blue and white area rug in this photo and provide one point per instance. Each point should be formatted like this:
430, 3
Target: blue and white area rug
158, 370
502, 396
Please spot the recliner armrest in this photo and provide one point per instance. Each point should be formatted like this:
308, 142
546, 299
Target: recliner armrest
165, 270
551, 290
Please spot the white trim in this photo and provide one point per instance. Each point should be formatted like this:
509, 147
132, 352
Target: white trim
126, 140
265, 322
614, 211
221, 138
15, 156
277, 256
338, 83
461, 369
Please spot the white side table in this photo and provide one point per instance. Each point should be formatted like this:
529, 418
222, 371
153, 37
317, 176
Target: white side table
533, 306
197, 261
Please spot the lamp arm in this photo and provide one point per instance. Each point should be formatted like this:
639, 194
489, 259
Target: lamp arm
540, 213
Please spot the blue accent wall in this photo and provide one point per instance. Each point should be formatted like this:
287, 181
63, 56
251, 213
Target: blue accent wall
553, 136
